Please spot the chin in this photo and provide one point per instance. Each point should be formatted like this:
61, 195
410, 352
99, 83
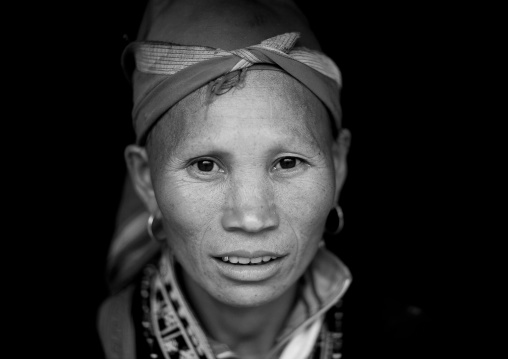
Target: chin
250, 296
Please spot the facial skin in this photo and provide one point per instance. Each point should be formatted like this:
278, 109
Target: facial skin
255, 170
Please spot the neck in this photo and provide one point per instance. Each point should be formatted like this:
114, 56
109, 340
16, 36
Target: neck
249, 332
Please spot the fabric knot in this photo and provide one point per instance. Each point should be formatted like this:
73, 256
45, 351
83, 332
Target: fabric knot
280, 44
284, 42
247, 59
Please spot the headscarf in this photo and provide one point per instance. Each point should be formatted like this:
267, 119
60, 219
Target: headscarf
183, 45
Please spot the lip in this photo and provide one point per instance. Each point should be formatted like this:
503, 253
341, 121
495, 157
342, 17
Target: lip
249, 273
247, 254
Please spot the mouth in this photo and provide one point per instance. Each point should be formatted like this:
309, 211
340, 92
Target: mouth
242, 261
241, 266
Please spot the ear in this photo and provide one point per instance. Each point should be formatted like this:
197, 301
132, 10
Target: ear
136, 159
340, 149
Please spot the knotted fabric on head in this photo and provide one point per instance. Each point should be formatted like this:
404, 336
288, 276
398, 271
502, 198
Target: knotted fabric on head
165, 73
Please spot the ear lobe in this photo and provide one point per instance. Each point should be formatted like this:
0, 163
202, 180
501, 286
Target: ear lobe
136, 159
340, 149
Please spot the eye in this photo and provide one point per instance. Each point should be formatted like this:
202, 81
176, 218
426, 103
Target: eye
287, 163
206, 166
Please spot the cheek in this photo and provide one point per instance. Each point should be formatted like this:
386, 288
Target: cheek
188, 212
306, 202
305, 206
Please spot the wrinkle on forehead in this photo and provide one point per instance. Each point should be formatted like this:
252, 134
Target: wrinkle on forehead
285, 97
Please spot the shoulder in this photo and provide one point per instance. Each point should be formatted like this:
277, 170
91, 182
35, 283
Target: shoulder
116, 326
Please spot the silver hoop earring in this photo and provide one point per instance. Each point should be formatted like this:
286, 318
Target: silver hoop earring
149, 228
340, 216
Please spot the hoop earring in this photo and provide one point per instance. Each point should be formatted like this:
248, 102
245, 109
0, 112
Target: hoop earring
149, 228
340, 216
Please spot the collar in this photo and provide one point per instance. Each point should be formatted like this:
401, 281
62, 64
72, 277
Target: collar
323, 284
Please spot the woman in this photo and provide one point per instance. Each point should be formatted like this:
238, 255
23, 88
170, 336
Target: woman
239, 160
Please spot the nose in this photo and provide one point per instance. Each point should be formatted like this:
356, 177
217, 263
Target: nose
250, 206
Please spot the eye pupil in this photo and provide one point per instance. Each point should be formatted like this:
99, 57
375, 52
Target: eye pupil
205, 166
288, 162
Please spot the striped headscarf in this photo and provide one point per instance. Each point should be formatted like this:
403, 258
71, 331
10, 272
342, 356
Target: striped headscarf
165, 73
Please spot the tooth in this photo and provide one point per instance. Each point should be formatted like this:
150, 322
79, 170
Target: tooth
256, 260
266, 258
233, 259
243, 260
225, 259
274, 257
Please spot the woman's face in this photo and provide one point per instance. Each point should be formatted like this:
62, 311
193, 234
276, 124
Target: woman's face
245, 186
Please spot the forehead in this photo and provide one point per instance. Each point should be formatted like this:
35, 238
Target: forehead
265, 99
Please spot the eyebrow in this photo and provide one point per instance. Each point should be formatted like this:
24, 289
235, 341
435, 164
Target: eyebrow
309, 146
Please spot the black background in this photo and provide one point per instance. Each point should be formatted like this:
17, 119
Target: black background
400, 199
